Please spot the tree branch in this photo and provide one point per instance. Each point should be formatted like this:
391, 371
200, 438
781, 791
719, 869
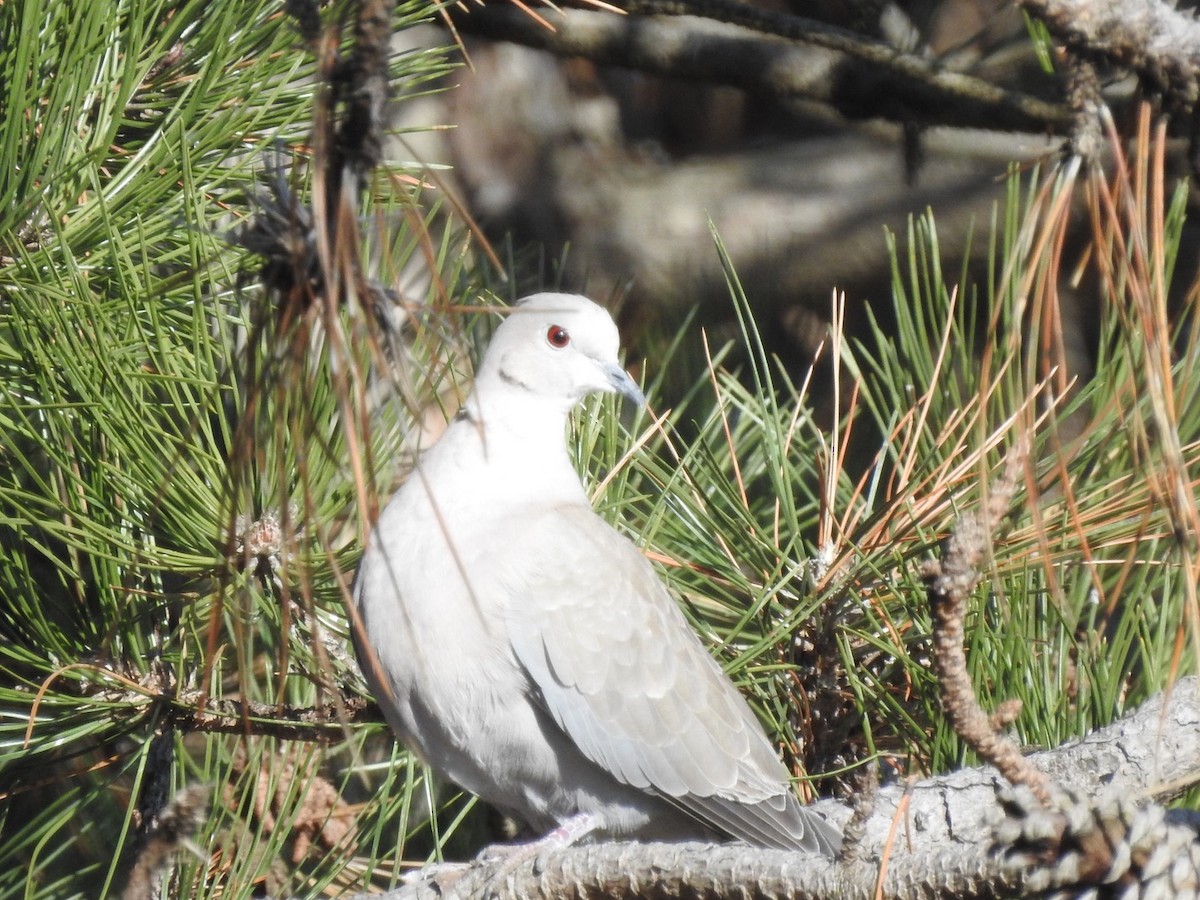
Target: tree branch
949, 582
360, 135
846, 73
947, 825
1158, 41
315, 724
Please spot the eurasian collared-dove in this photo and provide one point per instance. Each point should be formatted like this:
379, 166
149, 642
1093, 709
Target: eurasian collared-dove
529, 652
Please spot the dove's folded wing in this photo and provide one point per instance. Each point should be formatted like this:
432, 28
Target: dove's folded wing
616, 664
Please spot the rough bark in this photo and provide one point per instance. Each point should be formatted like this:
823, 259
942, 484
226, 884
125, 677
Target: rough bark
923, 840
1152, 37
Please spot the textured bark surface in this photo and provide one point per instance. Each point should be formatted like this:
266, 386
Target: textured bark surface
940, 831
1151, 36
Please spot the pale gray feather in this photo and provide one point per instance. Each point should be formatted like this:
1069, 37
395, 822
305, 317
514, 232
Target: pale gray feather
622, 672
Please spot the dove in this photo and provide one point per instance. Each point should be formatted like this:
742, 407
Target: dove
527, 651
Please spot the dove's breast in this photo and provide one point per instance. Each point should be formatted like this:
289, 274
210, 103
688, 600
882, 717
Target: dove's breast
436, 590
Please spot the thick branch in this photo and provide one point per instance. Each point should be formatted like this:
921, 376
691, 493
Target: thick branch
628, 870
940, 850
710, 51
1152, 37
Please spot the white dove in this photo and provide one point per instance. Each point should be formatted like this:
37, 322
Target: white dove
528, 652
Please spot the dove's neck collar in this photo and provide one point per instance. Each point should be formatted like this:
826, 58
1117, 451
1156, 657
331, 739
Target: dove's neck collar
502, 400
511, 415
522, 450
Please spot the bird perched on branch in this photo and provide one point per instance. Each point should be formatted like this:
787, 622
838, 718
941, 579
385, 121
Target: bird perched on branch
530, 653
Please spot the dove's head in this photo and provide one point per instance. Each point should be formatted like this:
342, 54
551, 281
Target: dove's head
555, 349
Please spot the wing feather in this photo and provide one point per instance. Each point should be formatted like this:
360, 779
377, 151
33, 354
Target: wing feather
622, 673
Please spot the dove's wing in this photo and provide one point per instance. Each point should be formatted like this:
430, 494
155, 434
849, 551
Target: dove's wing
618, 667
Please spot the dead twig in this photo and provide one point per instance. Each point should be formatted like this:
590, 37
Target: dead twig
949, 582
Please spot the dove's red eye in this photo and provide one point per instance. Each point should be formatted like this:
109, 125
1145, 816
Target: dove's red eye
557, 336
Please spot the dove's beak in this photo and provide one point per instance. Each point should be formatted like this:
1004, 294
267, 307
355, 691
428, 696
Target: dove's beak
620, 381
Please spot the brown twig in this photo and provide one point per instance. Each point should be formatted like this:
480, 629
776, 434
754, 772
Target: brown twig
359, 143
194, 710
154, 789
949, 582
174, 824
316, 724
